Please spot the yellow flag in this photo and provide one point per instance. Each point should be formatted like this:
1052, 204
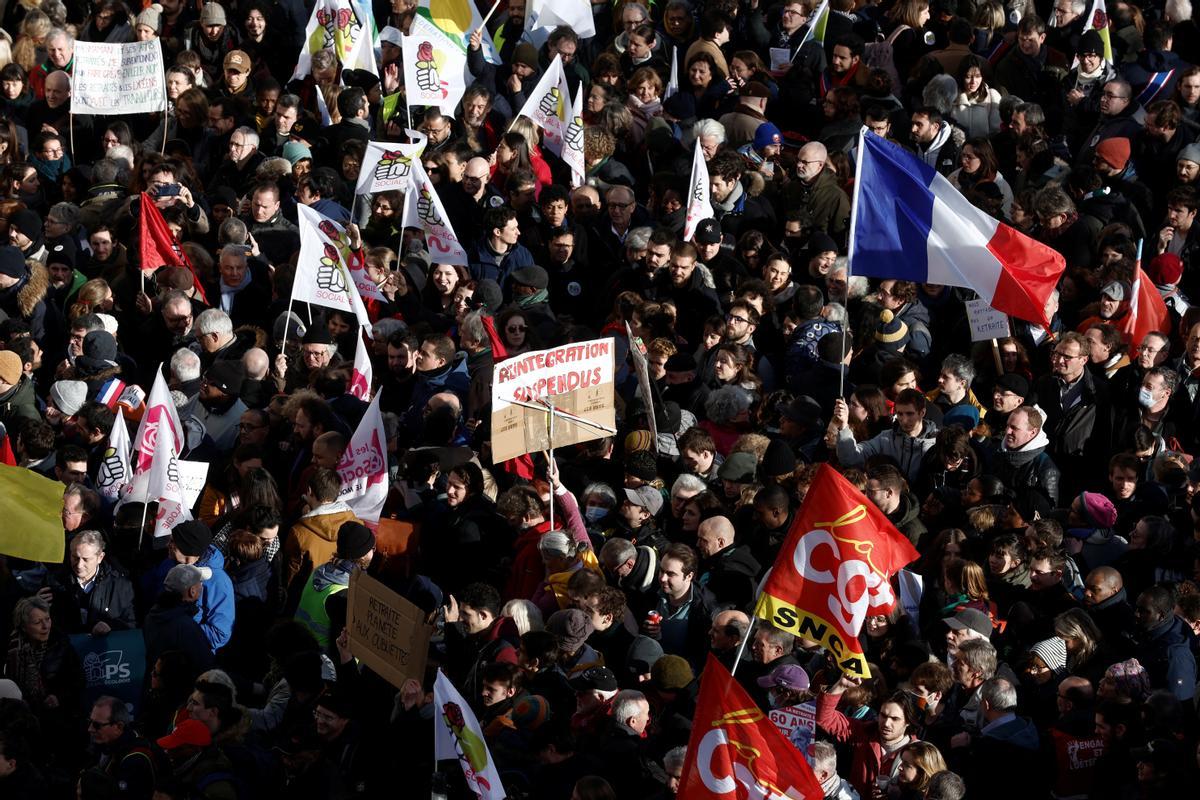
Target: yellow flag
31, 507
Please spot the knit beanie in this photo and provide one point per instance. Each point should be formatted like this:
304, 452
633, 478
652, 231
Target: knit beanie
1052, 652
1114, 152
68, 396
191, 538
1097, 509
354, 540
892, 332
671, 673
151, 17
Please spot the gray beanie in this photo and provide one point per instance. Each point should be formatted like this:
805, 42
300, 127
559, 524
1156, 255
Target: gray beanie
1190, 153
68, 396
151, 17
1052, 652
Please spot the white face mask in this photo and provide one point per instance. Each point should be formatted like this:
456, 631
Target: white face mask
1145, 397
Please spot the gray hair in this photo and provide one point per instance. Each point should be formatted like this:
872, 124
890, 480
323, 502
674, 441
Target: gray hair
236, 250
778, 637
56, 10
627, 704
946, 786
60, 33
88, 498
185, 365
1178, 10
823, 756
323, 59
687, 482
525, 614
979, 655
940, 93
249, 134
1079, 6
602, 489
471, 328
639, 238
122, 156
384, 328
118, 712
65, 213
104, 171
25, 608
708, 127
556, 543
94, 538
960, 367
617, 551
1033, 113
233, 232
214, 320
674, 758
835, 312
174, 298
999, 694
724, 404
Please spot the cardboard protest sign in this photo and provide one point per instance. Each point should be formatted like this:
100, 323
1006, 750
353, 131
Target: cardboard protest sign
986, 322
114, 664
387, 633
576, 378
118, 78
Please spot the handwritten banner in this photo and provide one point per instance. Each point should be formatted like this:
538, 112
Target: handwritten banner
387, 632
118, 78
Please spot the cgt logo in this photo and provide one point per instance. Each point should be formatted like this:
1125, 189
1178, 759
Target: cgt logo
727, 765
106, 668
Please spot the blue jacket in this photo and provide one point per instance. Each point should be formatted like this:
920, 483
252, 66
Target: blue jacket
453, 378
1166, 654
486, 264
215, 610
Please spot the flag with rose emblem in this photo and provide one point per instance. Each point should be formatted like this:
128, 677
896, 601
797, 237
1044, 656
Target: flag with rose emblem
458, 737
328, 273
572, 152
385, 165
549, 105
363, 467
699, 207
435, 67
160, 413
423, 209
347, 27
360, 376
115, 468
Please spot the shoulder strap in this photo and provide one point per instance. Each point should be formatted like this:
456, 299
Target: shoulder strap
899, 30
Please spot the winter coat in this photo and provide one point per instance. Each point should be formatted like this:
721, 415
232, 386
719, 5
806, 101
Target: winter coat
451, 378
26, 299
1028, 467
216, 607
731, 575
110, 601
1166, 654
1079, 436
313, 540
978, 117
18, 403
171, 625
822, 204
1154, 75
907, 518
907, 451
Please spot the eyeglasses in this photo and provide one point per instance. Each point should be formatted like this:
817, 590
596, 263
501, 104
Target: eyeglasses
806, 163
95, 725
516, 328
247, 426
1060, 356
1112, 96
735, 318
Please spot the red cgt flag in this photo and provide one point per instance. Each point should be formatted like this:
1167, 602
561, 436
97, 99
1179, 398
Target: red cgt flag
158, 244
1147, 310
736, 752
834, 569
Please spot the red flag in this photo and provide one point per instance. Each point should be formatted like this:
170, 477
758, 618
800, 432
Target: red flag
159, 246
834, 569
735, 751
1147, 310
6, 452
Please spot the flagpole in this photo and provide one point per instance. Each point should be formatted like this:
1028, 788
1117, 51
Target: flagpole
862, 144
753, 620
495, 5
549, 450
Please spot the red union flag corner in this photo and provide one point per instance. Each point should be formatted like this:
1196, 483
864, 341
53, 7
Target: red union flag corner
834, 569
736, 752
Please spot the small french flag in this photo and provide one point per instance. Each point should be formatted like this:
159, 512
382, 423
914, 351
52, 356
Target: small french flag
910, 223
111, 392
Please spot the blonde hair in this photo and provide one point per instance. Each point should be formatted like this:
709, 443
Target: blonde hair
968, 577
927, 759
90, 295
527, 128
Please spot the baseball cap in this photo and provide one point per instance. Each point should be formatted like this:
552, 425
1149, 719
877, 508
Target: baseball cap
788, 676
184, 576
647, 497
708, 232
1013, 382
189, 732
238, 61
594, 679
971, 618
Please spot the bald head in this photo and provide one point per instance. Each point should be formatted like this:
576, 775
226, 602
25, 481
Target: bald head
1074, 690
256, 362
714, 535
619, 194
59, 80
814, 151
477, 168
1102, 584
444, 400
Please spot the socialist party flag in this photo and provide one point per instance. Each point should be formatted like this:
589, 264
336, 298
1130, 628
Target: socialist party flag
363, 468
735, 751
572, 152
834, 570
347, 27
360, 376
160, 414
1147, 310
549, 104
457, 736
324, 275
910, 223
115, 468
699, 207
1098, 21
158, 247
423, 209
435, 67
385, 164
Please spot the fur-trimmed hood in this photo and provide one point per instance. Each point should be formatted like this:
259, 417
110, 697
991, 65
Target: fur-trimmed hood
33, 289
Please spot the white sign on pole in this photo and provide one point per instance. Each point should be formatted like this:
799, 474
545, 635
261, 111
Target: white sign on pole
986, 322
118, 78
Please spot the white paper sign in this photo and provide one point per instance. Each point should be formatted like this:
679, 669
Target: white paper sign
798, 723
780, 58
118, 78
192, 477
986, 322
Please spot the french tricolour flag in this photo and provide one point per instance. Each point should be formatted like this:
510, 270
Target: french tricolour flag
110, 392
910, 223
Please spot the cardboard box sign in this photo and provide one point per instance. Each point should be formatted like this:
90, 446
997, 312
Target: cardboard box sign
387, 632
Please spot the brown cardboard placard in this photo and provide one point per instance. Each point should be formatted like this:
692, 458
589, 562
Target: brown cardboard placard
387, 632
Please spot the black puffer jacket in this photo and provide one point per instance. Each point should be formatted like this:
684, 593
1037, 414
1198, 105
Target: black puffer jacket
110, 601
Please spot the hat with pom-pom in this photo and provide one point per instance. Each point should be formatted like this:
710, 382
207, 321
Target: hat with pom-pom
892, 332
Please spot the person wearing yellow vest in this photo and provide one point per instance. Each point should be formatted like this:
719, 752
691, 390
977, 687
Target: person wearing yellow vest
355, 548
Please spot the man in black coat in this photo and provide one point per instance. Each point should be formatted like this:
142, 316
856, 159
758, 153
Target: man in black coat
171, 623
1078, 414
91, 595
728, 570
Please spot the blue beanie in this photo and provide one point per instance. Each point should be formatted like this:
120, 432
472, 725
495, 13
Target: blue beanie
767, 134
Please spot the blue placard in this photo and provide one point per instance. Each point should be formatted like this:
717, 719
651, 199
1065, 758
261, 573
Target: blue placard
114, 664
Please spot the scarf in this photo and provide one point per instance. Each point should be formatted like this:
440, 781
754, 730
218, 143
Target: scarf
29, 657
540, 296
51, 170
228, 292
731, 202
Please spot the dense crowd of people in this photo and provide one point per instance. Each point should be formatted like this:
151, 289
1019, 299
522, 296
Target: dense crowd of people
1046, 478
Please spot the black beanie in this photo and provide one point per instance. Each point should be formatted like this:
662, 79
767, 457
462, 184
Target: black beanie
642, 465
778, 460
354, 540
12, 262
192, 538
27, 222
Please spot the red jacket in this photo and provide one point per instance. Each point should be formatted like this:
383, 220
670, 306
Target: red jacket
869, 761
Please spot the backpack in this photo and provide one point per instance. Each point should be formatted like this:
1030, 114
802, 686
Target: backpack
878, 55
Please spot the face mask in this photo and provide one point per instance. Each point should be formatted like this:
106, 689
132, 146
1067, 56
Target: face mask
1145, 397
594, 513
